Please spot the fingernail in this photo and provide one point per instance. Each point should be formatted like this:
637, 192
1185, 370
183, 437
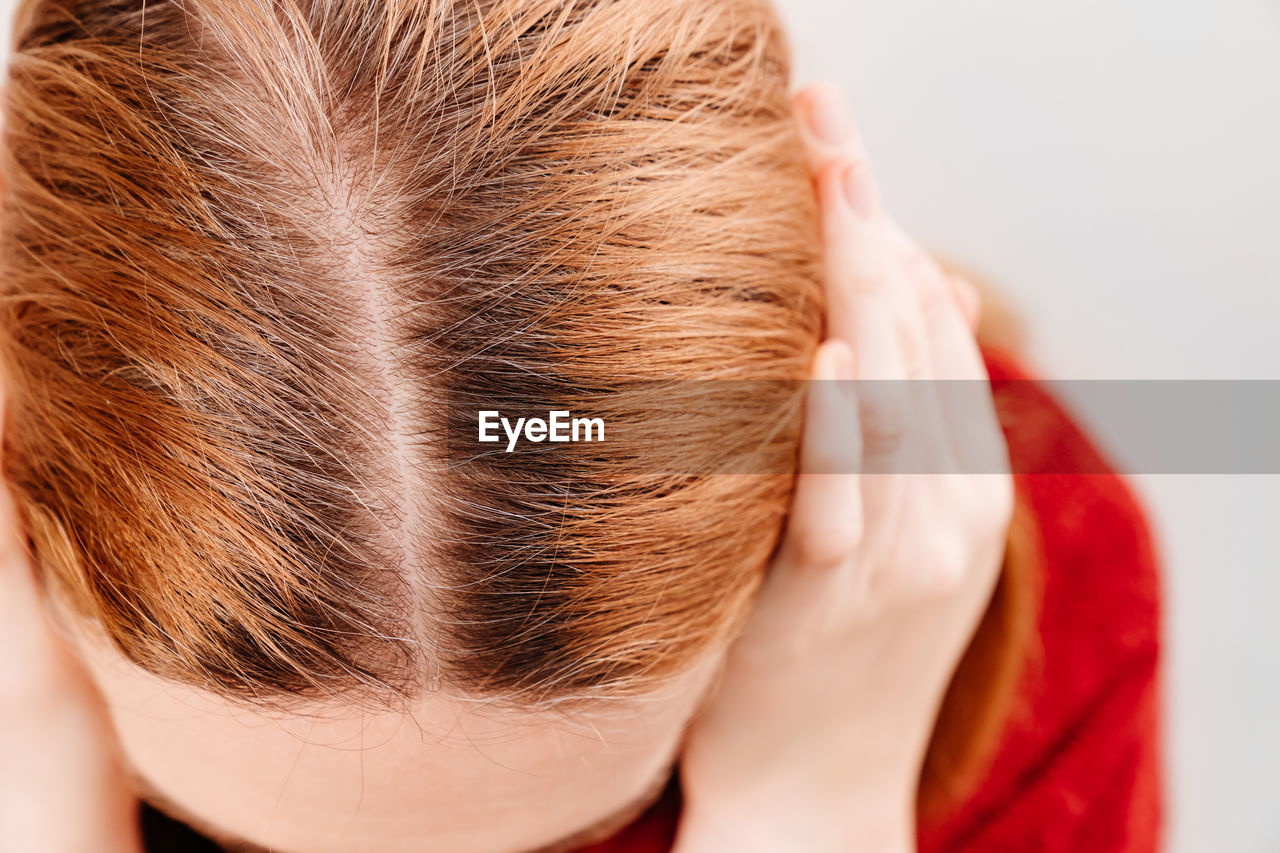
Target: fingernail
828, 118
858, 191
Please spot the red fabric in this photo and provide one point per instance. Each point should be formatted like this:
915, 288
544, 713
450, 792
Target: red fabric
1078, 767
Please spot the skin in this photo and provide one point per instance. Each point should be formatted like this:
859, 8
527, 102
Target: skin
814, 732
815, 738
335, 778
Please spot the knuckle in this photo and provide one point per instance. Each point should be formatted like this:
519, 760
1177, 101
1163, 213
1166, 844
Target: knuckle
946, 565
883, 444
915, 350
933, 296
825, 547
992, 503
882, 414
871, 280
944, 581
857, 168
828, 173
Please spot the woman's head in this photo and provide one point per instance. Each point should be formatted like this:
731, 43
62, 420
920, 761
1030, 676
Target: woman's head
255, 254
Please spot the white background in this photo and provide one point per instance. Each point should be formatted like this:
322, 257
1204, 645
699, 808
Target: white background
1113, 167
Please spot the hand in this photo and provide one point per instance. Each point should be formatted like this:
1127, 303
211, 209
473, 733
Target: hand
815, 736
61, 788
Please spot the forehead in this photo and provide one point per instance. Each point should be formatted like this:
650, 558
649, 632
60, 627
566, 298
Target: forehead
443, 774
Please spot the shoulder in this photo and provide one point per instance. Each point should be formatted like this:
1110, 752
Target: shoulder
1078, 763
1100, 597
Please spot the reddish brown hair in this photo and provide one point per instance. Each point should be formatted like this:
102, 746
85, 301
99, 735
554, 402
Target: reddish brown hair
251, 250
255, 250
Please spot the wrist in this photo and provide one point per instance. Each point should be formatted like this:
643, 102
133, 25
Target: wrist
869, 818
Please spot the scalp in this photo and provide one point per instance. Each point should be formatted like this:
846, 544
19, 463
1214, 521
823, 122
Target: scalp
253, 254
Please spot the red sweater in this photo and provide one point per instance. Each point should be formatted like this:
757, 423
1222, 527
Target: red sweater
1078, 766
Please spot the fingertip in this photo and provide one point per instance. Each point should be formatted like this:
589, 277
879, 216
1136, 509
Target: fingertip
803, 101
834, 360
825, 113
